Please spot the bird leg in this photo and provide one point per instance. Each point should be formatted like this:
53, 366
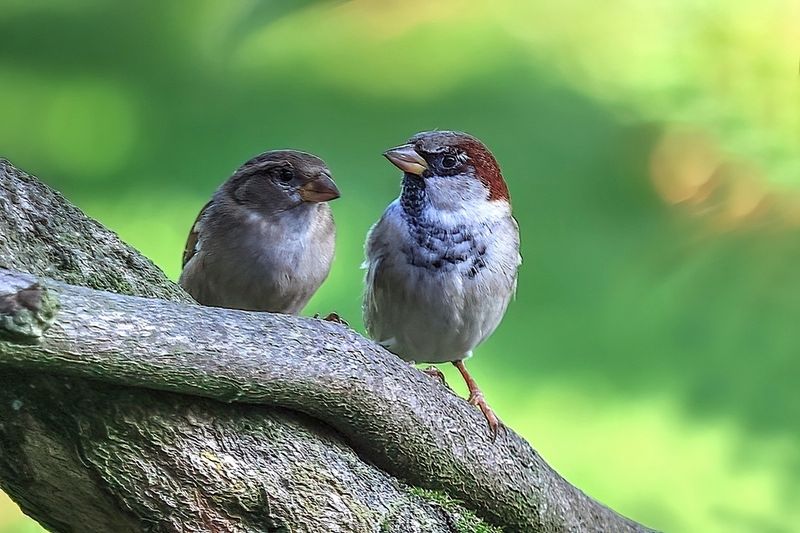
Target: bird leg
476, 398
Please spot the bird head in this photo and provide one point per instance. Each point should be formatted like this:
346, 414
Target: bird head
280, 180
455, 168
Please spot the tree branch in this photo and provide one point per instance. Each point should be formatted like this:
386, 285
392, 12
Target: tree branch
333, 390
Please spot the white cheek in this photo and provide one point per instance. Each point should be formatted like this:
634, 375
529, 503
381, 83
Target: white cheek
453, 193
461, 199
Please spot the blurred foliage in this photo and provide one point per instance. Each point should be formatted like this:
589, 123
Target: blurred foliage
650, 147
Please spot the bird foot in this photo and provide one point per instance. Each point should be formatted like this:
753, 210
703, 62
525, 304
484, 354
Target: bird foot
435, 373
333, 317
476, 398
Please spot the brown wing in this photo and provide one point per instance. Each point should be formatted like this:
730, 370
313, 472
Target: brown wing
191, 242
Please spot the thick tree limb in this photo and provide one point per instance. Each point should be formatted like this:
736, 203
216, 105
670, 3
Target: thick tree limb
235, 466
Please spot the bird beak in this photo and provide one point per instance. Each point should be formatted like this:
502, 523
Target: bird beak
321, 189
407, 159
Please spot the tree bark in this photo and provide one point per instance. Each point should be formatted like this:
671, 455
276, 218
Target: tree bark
142, 411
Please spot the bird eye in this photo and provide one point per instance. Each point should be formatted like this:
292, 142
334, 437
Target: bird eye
286, 174
449, 161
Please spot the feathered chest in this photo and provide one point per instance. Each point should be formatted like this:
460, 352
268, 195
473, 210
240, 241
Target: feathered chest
285, 246
437, 247
472, 239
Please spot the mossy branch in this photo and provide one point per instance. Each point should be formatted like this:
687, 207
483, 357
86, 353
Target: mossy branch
169, 416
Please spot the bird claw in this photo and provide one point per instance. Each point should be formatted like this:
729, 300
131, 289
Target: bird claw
333, 317
476, 398
435, 373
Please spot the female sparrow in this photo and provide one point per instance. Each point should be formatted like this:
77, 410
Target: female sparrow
265, 240
442, 260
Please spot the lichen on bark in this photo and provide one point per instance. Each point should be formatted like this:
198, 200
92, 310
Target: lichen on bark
134, 414
77, 455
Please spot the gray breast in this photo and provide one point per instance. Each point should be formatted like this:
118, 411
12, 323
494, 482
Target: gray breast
263, 263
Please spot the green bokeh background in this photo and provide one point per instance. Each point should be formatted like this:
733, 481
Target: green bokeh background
651, 148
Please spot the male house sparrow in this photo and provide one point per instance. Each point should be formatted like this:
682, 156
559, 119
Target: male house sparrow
442, 260
265, 240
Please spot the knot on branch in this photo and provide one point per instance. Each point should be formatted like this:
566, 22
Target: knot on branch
26, 314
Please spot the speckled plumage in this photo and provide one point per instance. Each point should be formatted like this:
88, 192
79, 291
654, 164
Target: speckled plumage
441, 264
442, 260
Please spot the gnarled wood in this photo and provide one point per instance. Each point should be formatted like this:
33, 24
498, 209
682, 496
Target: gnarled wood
321, 430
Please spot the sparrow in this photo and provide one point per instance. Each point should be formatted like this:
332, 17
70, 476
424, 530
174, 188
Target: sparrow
442, 260
265, 241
